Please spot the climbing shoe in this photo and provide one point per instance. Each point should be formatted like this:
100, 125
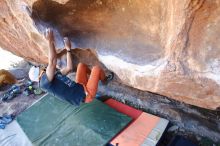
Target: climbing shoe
11, 93
6, 119
2, 126
109, 77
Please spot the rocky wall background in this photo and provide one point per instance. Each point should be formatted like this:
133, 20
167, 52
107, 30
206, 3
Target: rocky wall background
167, 47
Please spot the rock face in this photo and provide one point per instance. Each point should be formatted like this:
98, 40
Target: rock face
167, 47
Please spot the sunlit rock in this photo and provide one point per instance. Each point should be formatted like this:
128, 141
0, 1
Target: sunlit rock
167, 47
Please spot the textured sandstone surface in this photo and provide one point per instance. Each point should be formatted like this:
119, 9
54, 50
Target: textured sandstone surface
167, 47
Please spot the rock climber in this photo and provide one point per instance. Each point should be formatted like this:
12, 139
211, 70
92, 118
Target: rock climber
58, 84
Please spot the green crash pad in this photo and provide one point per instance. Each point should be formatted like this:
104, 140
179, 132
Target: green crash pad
53, 121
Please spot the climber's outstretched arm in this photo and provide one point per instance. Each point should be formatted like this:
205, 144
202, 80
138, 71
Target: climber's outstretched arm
52, 56
69, 66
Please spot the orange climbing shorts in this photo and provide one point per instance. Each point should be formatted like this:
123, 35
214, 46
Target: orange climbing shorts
89, 79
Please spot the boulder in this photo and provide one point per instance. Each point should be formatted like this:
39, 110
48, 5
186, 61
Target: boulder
167, 47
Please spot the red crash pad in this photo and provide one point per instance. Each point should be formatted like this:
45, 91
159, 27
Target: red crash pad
136, 133
144, 129
125, 109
